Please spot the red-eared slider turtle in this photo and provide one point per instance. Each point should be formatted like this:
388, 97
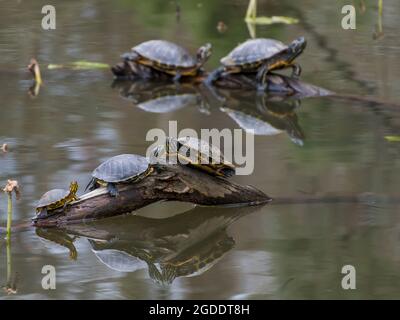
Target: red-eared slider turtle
121, 169
169, 58
56, 198
261, 56
194, 152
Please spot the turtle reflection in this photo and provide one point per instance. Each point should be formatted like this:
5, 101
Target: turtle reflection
161, 97
191, 262
184, 245
265, 115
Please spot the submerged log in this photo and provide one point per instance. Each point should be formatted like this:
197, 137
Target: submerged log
174, 183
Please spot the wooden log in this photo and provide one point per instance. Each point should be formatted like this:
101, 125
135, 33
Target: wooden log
177, 183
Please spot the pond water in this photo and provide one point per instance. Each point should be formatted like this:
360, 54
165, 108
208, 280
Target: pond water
328, 146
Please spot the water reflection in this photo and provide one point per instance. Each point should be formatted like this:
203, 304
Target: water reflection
265, 115
184, 245
161, 97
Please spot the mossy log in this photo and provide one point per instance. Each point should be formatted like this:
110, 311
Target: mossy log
176, 183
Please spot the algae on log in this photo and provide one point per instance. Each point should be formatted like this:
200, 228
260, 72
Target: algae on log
177, 183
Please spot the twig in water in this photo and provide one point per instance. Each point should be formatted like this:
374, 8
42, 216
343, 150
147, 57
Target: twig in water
33, 67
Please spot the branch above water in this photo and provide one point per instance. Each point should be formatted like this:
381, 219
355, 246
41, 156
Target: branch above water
173, 183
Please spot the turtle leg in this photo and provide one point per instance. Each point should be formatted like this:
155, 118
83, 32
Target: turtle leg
91, 185
296, 70
214, 75
177, 77
262, 83
112, 190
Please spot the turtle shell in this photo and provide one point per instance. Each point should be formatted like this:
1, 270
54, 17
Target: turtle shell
195, 152
205, 149
165, 53
121, 168
252, 51
51, 197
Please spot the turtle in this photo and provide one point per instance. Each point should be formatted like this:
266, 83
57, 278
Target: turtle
194, 152
261, 56
120, 169
56, 198
169, 57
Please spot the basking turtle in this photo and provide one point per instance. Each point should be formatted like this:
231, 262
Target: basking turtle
194, 152
56, 198
121, 169
169, 58
261, 56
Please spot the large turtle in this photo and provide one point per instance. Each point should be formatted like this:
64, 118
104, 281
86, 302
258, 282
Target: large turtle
169, 57
121, 169
193, 152
261, 56
54, 199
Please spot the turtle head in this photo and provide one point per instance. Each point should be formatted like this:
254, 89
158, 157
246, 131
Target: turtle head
204, 53
73, 188
297, 47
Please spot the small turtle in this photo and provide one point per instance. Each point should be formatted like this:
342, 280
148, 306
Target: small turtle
121, 169
260, 56
56, 198
169, 58
194, 152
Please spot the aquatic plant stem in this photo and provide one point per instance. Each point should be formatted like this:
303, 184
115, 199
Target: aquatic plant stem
9, 215
8, 237
251, 10
380, 5
8, 245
